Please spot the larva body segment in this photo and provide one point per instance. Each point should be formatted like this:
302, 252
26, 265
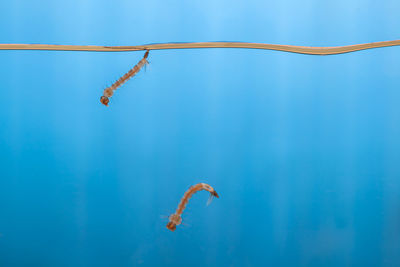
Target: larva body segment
176, 219
109, 91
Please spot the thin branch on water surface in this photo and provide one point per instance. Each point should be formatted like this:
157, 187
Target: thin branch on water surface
286, 48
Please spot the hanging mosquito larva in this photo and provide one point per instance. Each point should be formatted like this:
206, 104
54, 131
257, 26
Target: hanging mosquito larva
109, 91
176, 219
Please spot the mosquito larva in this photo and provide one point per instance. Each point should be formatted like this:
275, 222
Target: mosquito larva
176, 219
109, 91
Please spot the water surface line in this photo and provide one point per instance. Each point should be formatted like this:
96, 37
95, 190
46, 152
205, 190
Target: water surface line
309, 50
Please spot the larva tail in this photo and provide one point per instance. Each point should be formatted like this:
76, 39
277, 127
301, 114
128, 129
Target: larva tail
211, 197
215, 194
146, 54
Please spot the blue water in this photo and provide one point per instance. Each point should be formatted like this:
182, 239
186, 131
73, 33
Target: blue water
304, 151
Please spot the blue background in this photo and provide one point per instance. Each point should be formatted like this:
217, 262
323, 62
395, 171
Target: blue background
303, 150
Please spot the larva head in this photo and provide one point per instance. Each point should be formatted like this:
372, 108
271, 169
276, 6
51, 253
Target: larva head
171, 226
174, 220
104, 100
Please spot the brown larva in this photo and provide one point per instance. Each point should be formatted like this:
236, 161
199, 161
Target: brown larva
109, 91
176, 219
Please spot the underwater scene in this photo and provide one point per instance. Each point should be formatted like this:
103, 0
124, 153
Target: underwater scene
206, 157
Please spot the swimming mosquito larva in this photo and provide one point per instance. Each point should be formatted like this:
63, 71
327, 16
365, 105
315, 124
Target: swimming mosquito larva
176, 219
109, 91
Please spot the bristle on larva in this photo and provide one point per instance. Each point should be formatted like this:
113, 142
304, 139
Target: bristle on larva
109, 91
